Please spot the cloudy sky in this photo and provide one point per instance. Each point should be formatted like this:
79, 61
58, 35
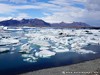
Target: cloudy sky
52, 10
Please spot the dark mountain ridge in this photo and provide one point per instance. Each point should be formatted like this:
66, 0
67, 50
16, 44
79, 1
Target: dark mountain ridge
70, 25
25, 22
41, 23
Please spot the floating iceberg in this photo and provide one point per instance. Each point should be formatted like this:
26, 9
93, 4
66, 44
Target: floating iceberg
78, 45
44, 48
25, 48
29, 58
12, 29
83, 51
5, 28
2, 50
7, 41
41, 43
61, 50
1, 27
44, 54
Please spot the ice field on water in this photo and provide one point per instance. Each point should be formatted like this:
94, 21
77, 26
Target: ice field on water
36, 45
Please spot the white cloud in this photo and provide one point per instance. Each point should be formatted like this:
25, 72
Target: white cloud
65, 12
8, 8
92, 12
71, 15
93, 5
60, 2
81, 1
5, 18
5, 8
57, 17
18, 1
21, 16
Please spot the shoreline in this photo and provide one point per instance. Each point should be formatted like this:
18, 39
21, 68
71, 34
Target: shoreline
91, 67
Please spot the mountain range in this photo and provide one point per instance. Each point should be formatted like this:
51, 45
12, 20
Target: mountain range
70, 25
41, 23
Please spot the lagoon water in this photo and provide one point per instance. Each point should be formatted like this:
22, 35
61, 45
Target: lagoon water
12, 62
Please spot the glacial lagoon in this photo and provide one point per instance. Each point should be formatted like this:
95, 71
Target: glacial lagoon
30, 49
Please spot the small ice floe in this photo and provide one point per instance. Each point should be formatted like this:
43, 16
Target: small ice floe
12, 29
1, 27
41, 43
83, 51
58, 50
13, 48
75, 46
4, 50
5, 28
25, 48
6, 41
44, 54
88, 32
19, 29
17, 44
44, 48
94, 42
29, 58
33, 35
11, 52
78, 45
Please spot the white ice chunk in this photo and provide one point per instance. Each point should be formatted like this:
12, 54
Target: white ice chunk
83, 51
44, 54
29, 58
41, 43
25, 48
5, 28
4, 49
44, 48
60, 50
12, 29
5, 41
1, 27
